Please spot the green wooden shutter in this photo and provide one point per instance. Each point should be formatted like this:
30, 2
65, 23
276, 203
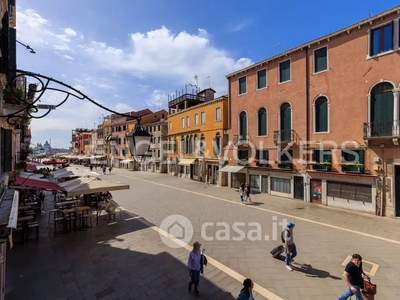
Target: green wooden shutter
286, 122
262, 121
321, 118
243, 124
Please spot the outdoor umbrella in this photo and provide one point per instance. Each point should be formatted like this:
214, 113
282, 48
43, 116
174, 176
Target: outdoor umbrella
92, 185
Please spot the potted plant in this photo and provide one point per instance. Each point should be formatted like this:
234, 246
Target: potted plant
13, 95
22, 165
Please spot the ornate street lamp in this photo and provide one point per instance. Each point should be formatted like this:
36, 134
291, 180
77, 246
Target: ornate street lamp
139, 141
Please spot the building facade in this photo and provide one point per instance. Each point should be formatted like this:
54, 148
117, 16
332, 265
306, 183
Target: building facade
197, 126
320, 122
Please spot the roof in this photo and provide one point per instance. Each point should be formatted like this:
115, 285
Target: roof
219, 99
318, 40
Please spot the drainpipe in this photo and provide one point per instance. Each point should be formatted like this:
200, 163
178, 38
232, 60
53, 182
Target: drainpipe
307, 117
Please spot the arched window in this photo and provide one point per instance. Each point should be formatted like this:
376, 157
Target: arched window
321, 114
382, 109
217, 144
262, 121
243, 124
285, 112
202, 144
183, 145
196, 144
175, 146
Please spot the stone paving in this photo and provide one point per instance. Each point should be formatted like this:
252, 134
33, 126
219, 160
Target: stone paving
128, 260
322, 249
122, 260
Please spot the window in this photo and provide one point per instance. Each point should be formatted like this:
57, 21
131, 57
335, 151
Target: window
284, 71
353, 161
183, 146
182, 123
322, 160
321, 114
187, 122
255, 182
243, 125
381, 39
262, 121
202, 144
281, 185
217, 144
285, 159
243, 156
170, 125
262, 157
196, 119
262, 79
321, 59
203, 117
218, 114
242, 85
350, 191
175, 146
159, 139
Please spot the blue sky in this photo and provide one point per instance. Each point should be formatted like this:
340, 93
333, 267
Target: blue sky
133, 54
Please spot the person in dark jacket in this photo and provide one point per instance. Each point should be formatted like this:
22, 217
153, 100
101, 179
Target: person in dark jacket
247, 291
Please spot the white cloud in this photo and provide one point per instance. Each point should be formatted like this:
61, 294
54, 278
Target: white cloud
123, 108
242, 24
161, 59
182, 55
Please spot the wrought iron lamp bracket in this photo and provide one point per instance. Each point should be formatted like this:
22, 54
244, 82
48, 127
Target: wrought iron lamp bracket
28, 107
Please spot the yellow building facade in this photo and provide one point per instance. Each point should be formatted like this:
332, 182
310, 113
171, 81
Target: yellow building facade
197, 134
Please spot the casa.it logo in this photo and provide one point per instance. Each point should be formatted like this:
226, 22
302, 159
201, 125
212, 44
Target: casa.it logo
176, 228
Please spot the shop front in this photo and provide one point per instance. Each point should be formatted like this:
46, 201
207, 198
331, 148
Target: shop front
212, 169
232, 176
186, 167
352, 191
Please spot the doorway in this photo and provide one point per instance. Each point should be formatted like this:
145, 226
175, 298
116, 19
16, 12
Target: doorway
299, 187
397, 190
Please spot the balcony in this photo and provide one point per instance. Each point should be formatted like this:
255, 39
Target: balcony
352, 168
381, 130
241, 139
321, 166
192, 99
286, 137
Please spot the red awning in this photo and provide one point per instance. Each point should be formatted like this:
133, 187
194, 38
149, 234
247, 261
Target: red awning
34, 183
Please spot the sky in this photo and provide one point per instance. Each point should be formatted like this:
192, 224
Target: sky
130, 55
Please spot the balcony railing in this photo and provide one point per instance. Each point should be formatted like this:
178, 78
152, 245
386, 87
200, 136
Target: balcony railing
286, 136
386, 129
185, 97
240, 138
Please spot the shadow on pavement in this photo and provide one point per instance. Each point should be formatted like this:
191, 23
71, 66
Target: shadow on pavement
123, 260
312, 272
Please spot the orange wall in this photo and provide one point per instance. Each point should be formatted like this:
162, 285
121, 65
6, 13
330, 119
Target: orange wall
210, 128
346, 84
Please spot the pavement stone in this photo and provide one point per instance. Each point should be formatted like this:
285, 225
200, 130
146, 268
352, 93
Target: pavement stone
321, 249
124, 260
128, 260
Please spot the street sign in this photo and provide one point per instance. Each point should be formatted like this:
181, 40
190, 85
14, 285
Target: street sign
46, 106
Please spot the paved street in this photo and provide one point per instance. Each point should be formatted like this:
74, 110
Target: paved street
128, 260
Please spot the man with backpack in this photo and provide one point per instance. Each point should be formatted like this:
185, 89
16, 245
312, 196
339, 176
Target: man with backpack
290, 246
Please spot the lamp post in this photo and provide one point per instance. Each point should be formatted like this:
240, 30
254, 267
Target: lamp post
138, 141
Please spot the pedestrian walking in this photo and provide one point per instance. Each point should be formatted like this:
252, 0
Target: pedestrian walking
290, 246
247, 291
109, 169
242, 192
104, 169
247, 193
194, 266
354, 276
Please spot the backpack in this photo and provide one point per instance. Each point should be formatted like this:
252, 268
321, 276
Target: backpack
283, 237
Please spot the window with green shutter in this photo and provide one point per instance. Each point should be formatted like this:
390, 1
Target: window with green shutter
262, 79
321, 60
262, 157
262, 121
321, 114
242, 85
284, 71
243, 124
353, 160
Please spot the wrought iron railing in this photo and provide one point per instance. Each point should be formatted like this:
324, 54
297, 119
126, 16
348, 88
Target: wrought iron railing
286, 136
386, 129
185, 97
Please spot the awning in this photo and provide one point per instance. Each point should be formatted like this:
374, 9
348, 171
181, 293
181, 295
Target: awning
126, 161
232, 169
186, 162
34, 183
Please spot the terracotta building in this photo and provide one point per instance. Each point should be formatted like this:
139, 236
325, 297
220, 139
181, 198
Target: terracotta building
320, 122
197, 126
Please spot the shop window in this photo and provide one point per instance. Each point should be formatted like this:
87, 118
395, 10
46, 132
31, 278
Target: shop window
350, 191
281, 185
